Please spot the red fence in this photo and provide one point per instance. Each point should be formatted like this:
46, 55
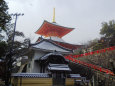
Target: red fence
71, 58
94, 52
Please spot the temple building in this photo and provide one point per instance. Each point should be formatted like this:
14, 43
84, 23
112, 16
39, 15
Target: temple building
48, 64
51, 48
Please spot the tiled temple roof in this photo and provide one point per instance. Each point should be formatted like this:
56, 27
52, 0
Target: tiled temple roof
68, 45
32, 75
43, 75
48, 29
62, 44
58, 67
54, 54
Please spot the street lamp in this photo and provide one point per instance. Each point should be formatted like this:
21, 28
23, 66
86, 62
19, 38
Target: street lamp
9, 56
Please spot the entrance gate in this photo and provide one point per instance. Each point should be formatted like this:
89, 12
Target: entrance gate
58, 79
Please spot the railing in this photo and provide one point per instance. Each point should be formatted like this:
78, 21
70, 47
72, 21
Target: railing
72, 58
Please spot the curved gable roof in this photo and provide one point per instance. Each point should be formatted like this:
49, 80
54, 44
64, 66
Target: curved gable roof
45, 44
52, 29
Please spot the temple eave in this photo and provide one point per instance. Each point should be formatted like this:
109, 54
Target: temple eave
48, 29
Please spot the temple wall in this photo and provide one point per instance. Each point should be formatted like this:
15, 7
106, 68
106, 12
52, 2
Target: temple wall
31, 81
36, 68
28, 67
25, 81
38, 54
33, 66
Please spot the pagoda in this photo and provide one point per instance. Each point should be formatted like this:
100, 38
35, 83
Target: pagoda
48, 60
53, 32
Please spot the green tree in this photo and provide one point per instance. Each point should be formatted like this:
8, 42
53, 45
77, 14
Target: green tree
108, 29
4, 16
98, 46
3, 48
19, 46
4, 20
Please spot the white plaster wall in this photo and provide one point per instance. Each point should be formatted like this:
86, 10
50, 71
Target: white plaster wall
36, 68
32, 65
28, 68
46, 70
38, 54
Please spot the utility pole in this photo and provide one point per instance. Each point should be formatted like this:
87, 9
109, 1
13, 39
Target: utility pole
16, 16
9, 56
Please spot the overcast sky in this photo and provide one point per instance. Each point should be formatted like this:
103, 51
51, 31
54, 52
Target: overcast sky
85, 16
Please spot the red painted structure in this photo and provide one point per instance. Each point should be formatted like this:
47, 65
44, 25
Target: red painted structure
48, 29
91, 66
71, 58
93, 52
67, 45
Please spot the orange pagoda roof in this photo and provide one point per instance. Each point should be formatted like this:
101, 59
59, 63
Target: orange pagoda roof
48, 29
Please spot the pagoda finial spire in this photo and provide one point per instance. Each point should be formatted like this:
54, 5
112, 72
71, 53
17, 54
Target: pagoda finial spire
54, 15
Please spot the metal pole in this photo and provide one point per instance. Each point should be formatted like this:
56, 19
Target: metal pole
14, 33
9, 64
16, 14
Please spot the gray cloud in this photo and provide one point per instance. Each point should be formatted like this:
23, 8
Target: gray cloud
84, 15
